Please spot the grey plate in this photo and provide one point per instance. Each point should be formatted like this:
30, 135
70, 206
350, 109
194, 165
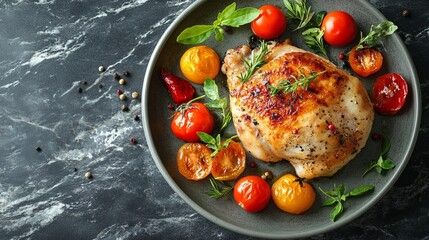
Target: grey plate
401, 129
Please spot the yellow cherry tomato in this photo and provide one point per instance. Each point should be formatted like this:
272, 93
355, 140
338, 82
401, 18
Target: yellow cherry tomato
199, 63
291, 194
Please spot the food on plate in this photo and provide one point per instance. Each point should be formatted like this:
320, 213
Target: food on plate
297, 9
191, 118
252, 193
199, 63
194, 161
229, 162
389, 93
180, 90
292, 194
366, 61
339, 28
318, 127
229, 17
271, 22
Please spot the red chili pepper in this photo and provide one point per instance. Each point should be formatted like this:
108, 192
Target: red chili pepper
180, 90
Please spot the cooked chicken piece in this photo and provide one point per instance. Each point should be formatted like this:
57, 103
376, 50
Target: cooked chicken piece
318, 129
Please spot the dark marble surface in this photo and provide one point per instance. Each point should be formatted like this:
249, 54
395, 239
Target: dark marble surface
50, 48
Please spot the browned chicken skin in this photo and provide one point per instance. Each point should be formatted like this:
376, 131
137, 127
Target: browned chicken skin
296, 126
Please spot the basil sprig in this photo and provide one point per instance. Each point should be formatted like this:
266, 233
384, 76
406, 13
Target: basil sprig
383, 163
375, 34
211, 91
338, 195
230, 16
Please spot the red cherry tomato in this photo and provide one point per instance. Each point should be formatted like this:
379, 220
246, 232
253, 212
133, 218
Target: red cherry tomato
340, 28
271, 23
389, 93
196, 117
366, 61
252, 193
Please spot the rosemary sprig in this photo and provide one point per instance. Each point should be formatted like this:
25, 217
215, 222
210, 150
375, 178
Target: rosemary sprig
375, 34
297, 10
255, 61
287, 86
218, 189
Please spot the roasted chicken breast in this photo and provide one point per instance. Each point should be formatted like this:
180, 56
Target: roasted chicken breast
318, 128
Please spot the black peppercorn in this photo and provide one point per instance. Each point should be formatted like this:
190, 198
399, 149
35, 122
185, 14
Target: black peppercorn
100, 86
136, 117
79, 90
405, 13
125, 108
126, 73
253, 41
116, 76
39, 149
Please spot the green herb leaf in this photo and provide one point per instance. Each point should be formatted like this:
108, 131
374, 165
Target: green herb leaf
383, 162
298, 10
375, 34
240, 17
361, 190
218, 189
195, 34
287, 86
255, 61
227, 17
212, 91
339, 195
214, 143
336, 211
313, 38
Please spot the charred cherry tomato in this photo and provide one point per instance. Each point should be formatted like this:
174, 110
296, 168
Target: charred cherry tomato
194, 161
229, 162
389, 93
199, 63
180, 90
291, 194
190, 119
271, 23
252, 193
365, 62
339, 28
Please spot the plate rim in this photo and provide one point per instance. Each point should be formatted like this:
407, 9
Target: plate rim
417, 103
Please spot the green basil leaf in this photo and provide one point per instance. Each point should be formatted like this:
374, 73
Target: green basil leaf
387, 164
241, 16
361, 190
336, 211
211, 90
227, 11
213, 105
329, 202
195, 34
206, 138
385, 146
218, 34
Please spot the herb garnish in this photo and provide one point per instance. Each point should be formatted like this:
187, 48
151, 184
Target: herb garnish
230, 16
375, 34
211, 91
255, 61
218, 189
383, 162
338, 195
313, 37
298, 10
287, 86
214, 143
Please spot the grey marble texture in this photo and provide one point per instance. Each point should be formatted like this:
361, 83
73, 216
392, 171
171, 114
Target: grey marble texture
51, 48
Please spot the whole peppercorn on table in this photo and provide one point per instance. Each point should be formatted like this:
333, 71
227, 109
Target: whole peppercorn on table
74, 161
